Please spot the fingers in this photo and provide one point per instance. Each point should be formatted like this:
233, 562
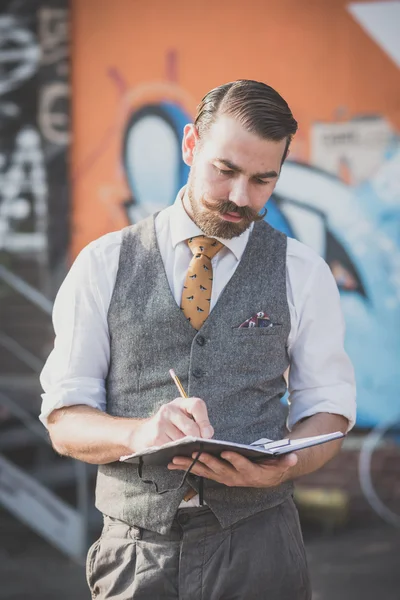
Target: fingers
241, 463
153, 432
180, 418
185, 423
197, 409
172, 432
171, 415
236, 470
207, 466
182, 464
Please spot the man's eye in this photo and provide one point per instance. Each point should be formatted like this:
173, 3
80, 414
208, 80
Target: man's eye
224, 172
261, 181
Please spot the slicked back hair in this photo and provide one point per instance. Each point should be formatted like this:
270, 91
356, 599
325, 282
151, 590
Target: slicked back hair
256, 106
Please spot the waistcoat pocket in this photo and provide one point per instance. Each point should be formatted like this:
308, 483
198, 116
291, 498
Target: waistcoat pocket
257, 331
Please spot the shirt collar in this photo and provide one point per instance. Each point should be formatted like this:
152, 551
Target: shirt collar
182, 227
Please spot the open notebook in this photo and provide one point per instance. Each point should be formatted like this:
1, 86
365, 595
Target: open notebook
258, 450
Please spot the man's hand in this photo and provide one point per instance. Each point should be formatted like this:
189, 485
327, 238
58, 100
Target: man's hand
175, 420
91, 435
237, 471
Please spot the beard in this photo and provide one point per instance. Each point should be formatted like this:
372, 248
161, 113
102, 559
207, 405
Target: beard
210, 221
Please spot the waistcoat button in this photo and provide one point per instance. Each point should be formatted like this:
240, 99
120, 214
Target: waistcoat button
200, 340
198, 372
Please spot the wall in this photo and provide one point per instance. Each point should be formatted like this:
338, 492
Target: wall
34, 194
140, 68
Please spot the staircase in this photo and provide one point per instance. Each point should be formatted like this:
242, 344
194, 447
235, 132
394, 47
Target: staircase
51, 494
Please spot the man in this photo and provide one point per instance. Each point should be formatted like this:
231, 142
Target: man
157, 296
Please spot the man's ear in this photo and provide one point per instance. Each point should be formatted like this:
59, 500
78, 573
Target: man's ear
189, 141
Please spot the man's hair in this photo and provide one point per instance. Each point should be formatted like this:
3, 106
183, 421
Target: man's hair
257, 106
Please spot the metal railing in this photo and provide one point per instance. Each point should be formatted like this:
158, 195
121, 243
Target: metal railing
25, 488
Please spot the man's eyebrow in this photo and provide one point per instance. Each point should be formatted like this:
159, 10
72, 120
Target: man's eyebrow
233, 167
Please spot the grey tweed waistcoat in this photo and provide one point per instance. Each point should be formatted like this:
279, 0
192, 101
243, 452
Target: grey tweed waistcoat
237, 372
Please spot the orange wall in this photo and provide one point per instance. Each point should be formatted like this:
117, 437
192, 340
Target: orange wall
311, 51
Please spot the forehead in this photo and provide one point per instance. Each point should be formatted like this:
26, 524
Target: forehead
229, 140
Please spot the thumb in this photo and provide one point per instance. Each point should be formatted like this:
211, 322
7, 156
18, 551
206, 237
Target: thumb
289, 460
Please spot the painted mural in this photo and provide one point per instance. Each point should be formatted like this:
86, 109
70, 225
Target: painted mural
34, 181
338, 192
34, 122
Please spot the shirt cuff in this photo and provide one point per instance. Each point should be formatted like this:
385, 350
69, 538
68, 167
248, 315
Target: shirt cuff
339, 400
71, 395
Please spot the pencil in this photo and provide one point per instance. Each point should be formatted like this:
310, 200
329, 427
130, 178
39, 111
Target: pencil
178, 383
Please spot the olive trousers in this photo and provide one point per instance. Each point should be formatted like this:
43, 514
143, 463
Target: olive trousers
260, 557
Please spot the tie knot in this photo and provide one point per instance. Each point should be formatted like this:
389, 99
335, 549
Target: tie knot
204, 245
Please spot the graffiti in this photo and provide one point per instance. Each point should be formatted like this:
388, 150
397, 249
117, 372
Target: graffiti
33, 168
22, 176
386, 182
337, 213
339, 222
23, 210
19, 54
148, 127
54, 37
339, 192
53, 102
34, 124
351, 150
152, 145
347, 195
54, 121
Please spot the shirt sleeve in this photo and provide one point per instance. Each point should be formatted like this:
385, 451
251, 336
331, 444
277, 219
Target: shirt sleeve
321, 376
76, 369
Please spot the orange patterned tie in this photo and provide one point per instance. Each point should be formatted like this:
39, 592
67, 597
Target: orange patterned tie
196, 296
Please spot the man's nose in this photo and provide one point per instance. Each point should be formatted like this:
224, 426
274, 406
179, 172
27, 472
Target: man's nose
239, 193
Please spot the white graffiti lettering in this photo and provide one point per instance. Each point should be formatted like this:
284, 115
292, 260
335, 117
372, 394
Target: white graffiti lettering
23, 195
53, 34
53, 117
54, 123
19, 54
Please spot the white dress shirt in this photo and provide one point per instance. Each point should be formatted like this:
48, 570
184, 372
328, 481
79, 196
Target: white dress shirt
321, 377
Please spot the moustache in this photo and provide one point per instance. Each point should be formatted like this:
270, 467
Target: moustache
227, 206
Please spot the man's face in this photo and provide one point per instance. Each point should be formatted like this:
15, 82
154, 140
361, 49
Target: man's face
233, 174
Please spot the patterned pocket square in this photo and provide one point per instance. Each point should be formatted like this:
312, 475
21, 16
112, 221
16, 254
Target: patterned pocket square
260, 319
